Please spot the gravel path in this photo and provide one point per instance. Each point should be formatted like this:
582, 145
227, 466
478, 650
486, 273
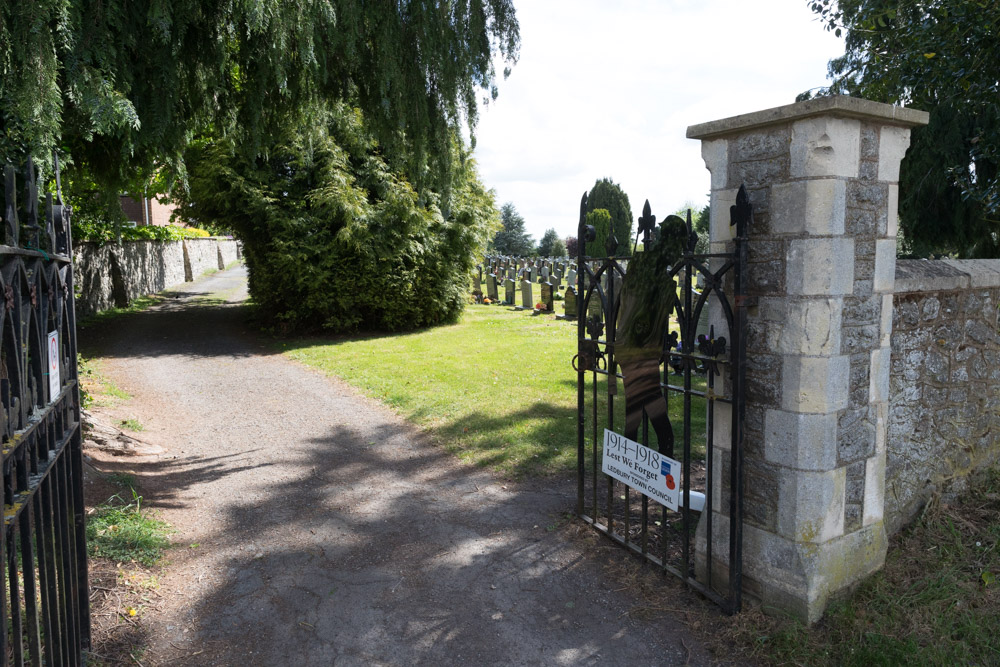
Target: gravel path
315, 527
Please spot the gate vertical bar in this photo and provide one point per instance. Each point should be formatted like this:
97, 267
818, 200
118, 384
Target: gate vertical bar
581, 372
741, 216
687, 338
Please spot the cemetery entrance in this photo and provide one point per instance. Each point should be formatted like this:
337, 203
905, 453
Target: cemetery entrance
660, 381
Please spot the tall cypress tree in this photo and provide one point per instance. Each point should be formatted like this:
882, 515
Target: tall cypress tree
608, 195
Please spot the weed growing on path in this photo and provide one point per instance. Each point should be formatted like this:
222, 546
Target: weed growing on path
96, 389
120, 530
132, 424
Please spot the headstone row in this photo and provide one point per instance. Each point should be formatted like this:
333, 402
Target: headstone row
516, 278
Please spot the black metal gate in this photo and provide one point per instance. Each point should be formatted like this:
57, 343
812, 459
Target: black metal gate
677, 354
45, 600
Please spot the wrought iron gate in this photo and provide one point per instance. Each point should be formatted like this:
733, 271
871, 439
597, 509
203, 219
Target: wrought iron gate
677, 354
45, 600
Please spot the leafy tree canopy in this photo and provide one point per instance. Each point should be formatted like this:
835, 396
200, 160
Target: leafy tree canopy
600, 219
571, 245
512, 239
608, 195
942, 56
123, 85
551, 245
334, 237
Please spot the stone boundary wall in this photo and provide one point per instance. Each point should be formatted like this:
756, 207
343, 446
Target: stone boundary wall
114, 275
944, 382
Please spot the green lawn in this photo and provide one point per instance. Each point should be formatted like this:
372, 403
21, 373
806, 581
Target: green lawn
497, 388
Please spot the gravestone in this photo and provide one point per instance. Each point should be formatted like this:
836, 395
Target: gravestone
491, 287
702, 328
547, 300
544, 274
594, 308
508, 297
571, 277
526, 297
569, 304
534, 273
477, 285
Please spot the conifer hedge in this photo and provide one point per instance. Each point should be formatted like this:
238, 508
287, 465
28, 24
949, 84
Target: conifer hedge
337, 238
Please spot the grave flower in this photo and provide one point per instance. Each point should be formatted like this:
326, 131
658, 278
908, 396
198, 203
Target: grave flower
540, 306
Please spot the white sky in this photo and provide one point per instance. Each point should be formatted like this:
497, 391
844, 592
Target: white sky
607, 88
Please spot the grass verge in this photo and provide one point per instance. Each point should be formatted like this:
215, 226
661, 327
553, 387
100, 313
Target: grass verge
936, 602
138, 305
95, 388
497, 388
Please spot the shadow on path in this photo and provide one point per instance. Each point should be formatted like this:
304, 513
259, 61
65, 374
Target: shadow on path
316, 527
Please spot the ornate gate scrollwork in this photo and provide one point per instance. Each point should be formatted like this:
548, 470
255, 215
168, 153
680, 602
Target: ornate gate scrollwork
649, 324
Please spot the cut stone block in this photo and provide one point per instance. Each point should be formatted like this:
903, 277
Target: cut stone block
720, 229
811, 505
811, 327
892, 221
815, 384
891, 149
874, 509
820, 267
878, 390
825, 146
814, 207
715, 153
802, 441
885, 266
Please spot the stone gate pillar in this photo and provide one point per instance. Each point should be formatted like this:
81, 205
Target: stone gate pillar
823, 180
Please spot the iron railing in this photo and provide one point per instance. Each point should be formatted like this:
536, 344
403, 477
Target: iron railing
45, 600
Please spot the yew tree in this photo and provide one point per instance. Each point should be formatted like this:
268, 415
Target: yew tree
942, 56
608, 195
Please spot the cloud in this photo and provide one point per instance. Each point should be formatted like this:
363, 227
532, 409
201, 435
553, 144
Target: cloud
608, 90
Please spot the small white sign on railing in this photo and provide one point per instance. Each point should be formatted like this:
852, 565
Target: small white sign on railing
642, 468
54, 383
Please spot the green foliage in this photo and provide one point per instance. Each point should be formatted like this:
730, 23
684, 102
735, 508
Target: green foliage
943, 57
600, 220
334, 237
608, 195
558, 248
120, 530
100, 231
122, 85
512, 239
551, 245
